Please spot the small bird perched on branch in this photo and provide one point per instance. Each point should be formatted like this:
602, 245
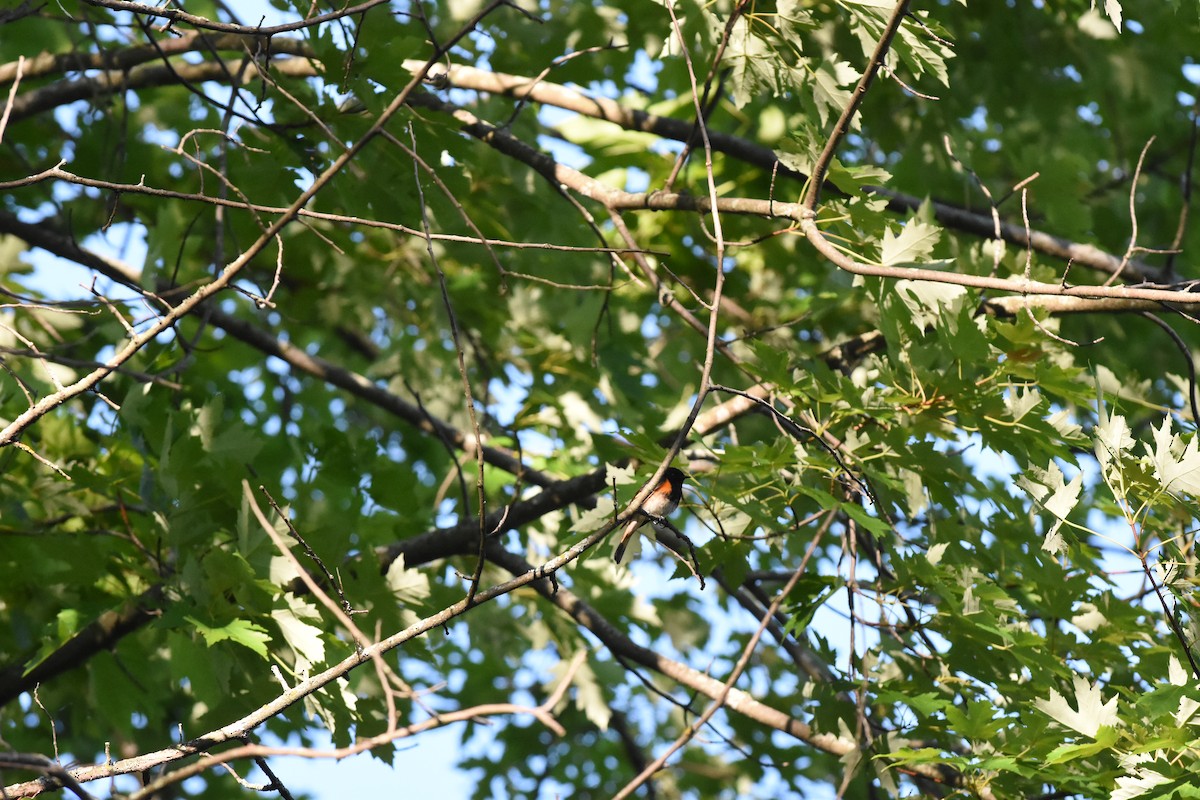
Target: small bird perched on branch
661, 502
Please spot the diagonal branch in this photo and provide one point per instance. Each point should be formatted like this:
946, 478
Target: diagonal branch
143, 76
101, 634
842, 126
736, 700
41, 235
1027, 291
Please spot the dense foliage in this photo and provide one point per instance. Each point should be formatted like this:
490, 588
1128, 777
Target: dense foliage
337, 344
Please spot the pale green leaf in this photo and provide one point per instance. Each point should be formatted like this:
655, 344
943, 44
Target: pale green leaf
1049, 488
1062, 422
934, 556
1088, 618
754, 67
913, 244
1176, 674
1137, 784
1093, 24
1176, 465
1091, 713
596, 517
730, 519
243, 632
927, 301
1112, 8
1187, 711
589, 697
410, 586
305, 638
832, 82
619, 476
1112, 438
1020, 402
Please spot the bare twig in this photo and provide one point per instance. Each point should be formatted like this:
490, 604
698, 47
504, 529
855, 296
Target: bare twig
477, 443
57, 173
12, 96
1133, 220
723, 695
1170, 617
1188, 359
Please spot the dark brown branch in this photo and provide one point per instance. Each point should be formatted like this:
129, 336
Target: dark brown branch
41, 235
101, 634
737, 701
462, 538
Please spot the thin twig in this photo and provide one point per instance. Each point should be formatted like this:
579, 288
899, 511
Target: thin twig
723, 695
174, 15
1188, 359
476, 451
1133, 220
12, 96
1171, 621
1185, 193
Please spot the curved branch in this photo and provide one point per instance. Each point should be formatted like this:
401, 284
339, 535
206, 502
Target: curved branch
954, 217
1028, 290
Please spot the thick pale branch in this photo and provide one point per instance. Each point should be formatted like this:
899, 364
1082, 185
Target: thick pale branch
617, 199
125, 58
1026, 291
620, 200
954, 217
175, 15
1013, 305
541, 713
139, 77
